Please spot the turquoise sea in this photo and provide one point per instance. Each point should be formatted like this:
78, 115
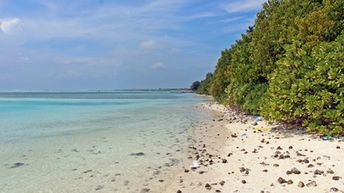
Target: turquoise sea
120, 141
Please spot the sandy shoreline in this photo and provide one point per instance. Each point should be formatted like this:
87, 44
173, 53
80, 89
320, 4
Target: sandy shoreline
238, 154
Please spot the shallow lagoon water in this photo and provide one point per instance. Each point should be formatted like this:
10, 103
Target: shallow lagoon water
92, 141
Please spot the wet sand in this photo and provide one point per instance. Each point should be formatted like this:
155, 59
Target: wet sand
238, 154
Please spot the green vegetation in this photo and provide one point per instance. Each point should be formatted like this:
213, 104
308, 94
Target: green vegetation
204, 88
194, 86
289, 66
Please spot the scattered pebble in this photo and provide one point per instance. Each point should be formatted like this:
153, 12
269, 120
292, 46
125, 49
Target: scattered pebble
301, 184
336, 178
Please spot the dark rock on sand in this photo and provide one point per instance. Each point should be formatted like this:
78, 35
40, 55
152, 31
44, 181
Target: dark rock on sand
99, 187
222, 183
318, 172
334, 189
207, 186
336, 178
281, 180
244, 170
87, 171
329, 171
294, 171
311, 184
16, 165
137, 154
301, 184
145, 190
179, 191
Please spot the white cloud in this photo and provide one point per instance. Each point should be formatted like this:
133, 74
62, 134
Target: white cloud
201, 15
9, 26
232, 19
243, 6
148, 44
158, 65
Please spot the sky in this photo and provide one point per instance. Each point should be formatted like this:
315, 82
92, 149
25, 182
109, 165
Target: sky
115, 44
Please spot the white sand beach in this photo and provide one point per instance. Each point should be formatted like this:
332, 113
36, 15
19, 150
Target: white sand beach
237, 154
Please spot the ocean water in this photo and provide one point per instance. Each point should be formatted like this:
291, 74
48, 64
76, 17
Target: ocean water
121, 141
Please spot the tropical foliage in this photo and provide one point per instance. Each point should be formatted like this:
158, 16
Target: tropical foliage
289, 66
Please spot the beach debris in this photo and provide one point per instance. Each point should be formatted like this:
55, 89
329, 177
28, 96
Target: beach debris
222, 183
299, 154
243, 181
137, 154
311, 184
264, 164
301, 184
246, 171
194, 165
281, 180
336, 178
318, 172
329, 171
16, 165
87, 171
145, 190
99, 187
258, 118
290, 182
293, 171
327, 138
179, 191
207, 186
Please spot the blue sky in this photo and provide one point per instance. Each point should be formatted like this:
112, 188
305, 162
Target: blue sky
115, 44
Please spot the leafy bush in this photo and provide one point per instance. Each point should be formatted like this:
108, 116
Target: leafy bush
288, 66
204, 88
313, 93
194, 86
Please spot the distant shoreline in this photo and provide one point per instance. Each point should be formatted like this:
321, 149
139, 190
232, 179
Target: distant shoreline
95, 90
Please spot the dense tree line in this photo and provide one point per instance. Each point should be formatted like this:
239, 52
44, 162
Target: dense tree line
288, 67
